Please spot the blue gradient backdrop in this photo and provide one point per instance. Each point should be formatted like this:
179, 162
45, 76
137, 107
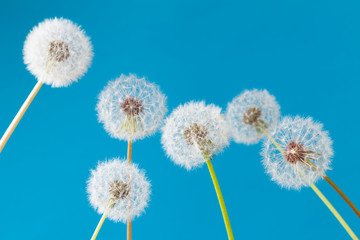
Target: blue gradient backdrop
306, 53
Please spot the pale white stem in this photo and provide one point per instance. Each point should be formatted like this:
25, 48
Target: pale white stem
96, 232
19, 115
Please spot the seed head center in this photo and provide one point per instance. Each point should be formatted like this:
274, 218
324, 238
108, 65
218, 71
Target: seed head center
196, 132
132, 106
295, 152
252, 116
119, 190
59, 51
196, 135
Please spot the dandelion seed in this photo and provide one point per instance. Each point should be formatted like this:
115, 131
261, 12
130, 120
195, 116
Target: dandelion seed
121, 184
249, 111
131, 108
57, 52
194, 131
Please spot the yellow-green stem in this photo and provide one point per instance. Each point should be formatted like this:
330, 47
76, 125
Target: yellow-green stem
276, 144
333, 210
100, 224
337, 189
316, 190
221, 199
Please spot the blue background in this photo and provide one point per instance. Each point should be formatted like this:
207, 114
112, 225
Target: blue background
306, 53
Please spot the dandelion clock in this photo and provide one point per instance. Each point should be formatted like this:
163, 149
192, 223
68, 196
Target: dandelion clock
57, 52
118, 190
305, 155
131, 108
192, 135
250, 113
297, 153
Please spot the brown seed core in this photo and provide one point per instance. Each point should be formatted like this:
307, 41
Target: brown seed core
59, 51
119, 190
195, 132
295, 152
132, 106
252, 116
196, 135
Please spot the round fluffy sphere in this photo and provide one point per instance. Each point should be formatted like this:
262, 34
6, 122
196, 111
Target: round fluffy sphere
307, 152
130, 97
98, 188
205, 120
57, 52
269, 113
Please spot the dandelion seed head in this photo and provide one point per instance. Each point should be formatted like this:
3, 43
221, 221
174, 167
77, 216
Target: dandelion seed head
194, 131
306, 156
249, 110
131, 108
57, 52
123, 185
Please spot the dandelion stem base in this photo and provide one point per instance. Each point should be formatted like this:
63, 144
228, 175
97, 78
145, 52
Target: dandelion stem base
96, 232
221, 200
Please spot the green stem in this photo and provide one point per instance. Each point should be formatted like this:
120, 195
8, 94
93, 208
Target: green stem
220, 198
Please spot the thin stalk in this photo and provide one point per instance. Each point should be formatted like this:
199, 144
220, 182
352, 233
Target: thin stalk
276, 144
221, 199
338, 190
333, 210
19, 115
316, 190
129, 223
129, 152
100, 223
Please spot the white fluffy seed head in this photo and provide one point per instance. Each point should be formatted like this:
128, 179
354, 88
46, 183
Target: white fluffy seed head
132, 201
248, 109
307, 152
57, 52
194, 131
131, 108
